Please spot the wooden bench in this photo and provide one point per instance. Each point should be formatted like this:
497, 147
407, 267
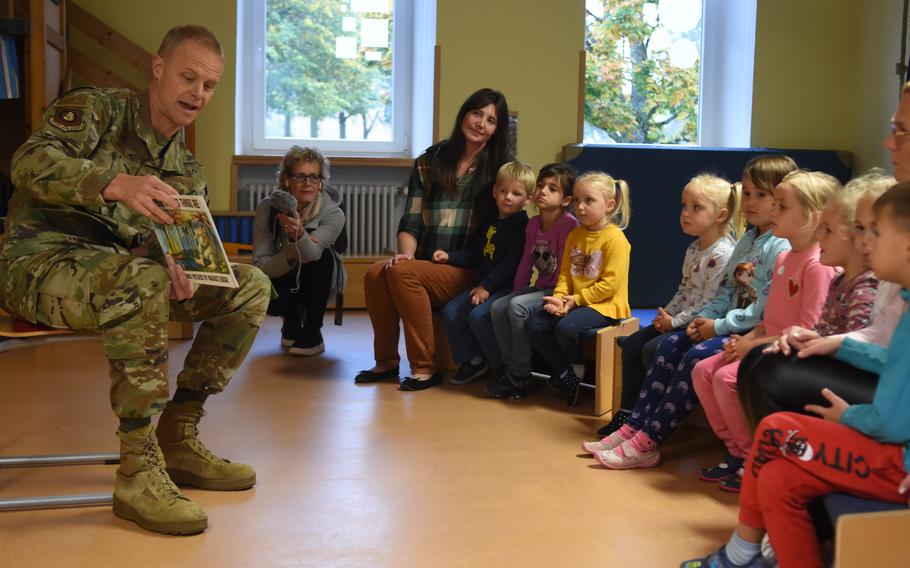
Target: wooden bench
868, 533
607, 357
606, 354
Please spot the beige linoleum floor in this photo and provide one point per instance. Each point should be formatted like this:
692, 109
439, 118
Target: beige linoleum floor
353, 475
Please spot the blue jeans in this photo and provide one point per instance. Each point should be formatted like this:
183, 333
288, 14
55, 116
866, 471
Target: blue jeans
510, 324
567, 332
470, 330
667, 396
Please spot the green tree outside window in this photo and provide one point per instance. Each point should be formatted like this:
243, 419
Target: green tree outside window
642, 71
312, 74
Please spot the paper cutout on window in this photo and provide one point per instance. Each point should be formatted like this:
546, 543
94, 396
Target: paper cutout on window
374, 6
346, 47
374, 32
348, 24
371, 55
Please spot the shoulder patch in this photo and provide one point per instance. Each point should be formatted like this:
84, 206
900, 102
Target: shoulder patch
68, 119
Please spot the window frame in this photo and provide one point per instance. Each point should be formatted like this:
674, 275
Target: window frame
726, 78
407, 109
728, 65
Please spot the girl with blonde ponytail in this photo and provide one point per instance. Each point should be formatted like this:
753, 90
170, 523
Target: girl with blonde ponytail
593, 286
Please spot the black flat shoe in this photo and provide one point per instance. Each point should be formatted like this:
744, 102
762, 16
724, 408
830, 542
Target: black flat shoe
364, 377
615, 424
412, 384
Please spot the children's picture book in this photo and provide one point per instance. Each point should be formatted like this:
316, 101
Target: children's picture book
193, 242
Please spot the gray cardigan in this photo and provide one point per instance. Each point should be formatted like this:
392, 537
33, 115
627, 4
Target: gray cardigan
269, 250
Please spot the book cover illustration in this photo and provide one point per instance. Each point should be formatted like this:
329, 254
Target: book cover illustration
194, 244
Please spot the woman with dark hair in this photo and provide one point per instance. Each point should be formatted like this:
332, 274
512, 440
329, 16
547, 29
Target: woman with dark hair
294, 231
449, 197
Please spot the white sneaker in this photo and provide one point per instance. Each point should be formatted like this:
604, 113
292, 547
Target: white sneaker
625, 456
307, 351
606, 443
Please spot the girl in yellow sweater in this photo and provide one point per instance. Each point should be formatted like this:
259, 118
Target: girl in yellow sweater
593, 287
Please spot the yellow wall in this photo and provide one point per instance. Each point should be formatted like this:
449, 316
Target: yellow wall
804, 59
823, 70
824, 75
145, 22
878, 44
526, 49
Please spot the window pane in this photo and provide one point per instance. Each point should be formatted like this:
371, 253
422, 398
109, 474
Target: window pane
329, 69
642, 71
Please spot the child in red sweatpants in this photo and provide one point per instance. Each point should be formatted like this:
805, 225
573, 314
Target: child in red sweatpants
859, 449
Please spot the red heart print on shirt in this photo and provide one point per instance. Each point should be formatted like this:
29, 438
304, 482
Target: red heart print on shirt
794, 287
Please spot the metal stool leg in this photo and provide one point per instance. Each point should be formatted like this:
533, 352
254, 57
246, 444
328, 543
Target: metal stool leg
55, 501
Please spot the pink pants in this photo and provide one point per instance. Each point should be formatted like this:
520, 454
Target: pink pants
715, 384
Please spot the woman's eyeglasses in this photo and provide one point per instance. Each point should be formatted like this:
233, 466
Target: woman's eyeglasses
313, 179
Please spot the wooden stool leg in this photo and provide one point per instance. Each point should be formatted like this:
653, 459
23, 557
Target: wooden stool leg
608, 366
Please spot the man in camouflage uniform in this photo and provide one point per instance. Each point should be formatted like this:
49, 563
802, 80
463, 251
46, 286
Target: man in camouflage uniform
90, 182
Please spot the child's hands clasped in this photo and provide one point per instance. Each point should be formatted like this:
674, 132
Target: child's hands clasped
663, 322
794, 338
831, 413
700, 329
821, 346
479, 294
440, 256
730, 348
737, 347
805, 342
558, 306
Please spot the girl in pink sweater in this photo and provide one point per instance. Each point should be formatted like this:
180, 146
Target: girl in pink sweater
798, 290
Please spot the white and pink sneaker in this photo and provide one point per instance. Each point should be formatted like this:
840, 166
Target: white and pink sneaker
609, 442
624, 456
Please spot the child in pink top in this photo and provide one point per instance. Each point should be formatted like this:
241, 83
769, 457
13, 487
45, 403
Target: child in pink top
799, 287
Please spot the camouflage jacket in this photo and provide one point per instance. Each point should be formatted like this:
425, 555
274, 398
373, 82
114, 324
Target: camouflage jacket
87, 137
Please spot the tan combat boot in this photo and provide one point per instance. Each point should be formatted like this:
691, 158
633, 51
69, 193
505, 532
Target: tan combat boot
189, 462
145, 494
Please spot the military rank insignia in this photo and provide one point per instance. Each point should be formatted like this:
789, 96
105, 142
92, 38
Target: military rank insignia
68, 119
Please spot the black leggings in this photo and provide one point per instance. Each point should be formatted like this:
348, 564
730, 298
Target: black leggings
637, 355
771, 382
311, 298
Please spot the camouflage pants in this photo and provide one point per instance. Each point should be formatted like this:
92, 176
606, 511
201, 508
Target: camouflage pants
125, 298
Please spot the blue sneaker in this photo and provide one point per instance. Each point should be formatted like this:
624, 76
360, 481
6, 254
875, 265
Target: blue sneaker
721, 471
732, 484
719, 559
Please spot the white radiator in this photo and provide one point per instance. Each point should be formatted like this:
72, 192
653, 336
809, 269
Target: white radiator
371, 210
251, 194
